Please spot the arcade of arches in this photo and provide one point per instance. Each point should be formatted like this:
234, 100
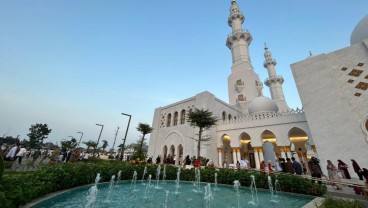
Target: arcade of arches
173, 152
298, 147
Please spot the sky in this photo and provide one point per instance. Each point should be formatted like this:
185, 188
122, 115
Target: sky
73, 64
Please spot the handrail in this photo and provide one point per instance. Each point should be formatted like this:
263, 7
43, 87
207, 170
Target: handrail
237, 31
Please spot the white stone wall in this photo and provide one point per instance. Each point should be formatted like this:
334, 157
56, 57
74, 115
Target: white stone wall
335, 115
183, 134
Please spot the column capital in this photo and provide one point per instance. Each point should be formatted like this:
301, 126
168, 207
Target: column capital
219, 149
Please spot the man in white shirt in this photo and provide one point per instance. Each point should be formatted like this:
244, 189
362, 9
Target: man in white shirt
243, 163
22, 152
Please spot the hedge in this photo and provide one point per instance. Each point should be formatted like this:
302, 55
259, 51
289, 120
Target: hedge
19, 188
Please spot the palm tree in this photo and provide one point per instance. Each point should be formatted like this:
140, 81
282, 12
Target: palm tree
204, 120
104, 145
144, 129
90, 144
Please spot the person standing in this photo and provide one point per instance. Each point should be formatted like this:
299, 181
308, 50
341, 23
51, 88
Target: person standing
357, 169
315, 169
343, 169
332, 174
22, 152
297, 167
158, 159
289, 166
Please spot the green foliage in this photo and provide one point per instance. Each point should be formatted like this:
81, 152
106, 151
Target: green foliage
18, 189
203, 119
340, 203
2, 167
68, 144
139, 155
38, 132
144, 129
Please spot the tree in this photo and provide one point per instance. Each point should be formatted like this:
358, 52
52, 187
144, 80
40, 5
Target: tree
90, 144
38, 132
144, 129
204, 120
68, 144
104, 145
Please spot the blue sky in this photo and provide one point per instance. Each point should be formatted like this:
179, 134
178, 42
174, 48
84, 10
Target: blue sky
74, 63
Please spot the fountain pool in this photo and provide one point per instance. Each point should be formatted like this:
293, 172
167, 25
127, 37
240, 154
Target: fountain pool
188, 195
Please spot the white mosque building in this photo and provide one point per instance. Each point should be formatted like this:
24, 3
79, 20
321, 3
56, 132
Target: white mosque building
259, 128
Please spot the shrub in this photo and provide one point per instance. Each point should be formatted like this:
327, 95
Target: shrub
18, 189
340, 203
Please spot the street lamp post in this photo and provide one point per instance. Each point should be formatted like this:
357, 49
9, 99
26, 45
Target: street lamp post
116, 133
98, 140
126, 133
80, 139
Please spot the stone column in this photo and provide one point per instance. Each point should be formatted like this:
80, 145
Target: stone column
238, 154
234, 155
176, 155
261, 158
288, 152
256, 158
283, 154
219, 150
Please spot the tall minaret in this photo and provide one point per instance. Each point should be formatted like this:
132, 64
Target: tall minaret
274, 81
243, 82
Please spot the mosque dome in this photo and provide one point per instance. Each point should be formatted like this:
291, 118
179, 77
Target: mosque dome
262, 105
360, 31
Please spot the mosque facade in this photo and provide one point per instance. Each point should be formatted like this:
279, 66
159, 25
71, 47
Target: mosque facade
251, 125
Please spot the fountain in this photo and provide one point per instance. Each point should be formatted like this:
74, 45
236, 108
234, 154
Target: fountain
144, 173
146, 192
198, 180
119, 176
164, 175
277, 186
112, 181
236, 186
215, 182
92, 193
124, 194
134, 180
166, 198
253, 189
158, 172
177, 181
271, 189
208, 196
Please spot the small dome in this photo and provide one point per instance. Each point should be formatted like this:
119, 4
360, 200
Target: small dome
360, 31
262, 105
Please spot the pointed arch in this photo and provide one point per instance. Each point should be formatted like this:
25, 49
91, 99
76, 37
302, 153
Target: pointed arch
176, 118
223, 115
168, 122
182, 117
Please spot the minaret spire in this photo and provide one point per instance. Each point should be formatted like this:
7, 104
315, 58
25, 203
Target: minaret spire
274, 81
243, 82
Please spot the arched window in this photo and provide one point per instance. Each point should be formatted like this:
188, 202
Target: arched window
176, 117
182, 117
230, 117
223, 116
366, 125
168, 123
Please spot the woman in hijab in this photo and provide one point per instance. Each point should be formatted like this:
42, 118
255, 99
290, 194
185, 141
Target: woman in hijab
332, 174
357, 169
343, 169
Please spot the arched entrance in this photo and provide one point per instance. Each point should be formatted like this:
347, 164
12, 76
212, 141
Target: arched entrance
270, 148
226, 151
164, 153
300, 147
246, 149
180, 155
298, 140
